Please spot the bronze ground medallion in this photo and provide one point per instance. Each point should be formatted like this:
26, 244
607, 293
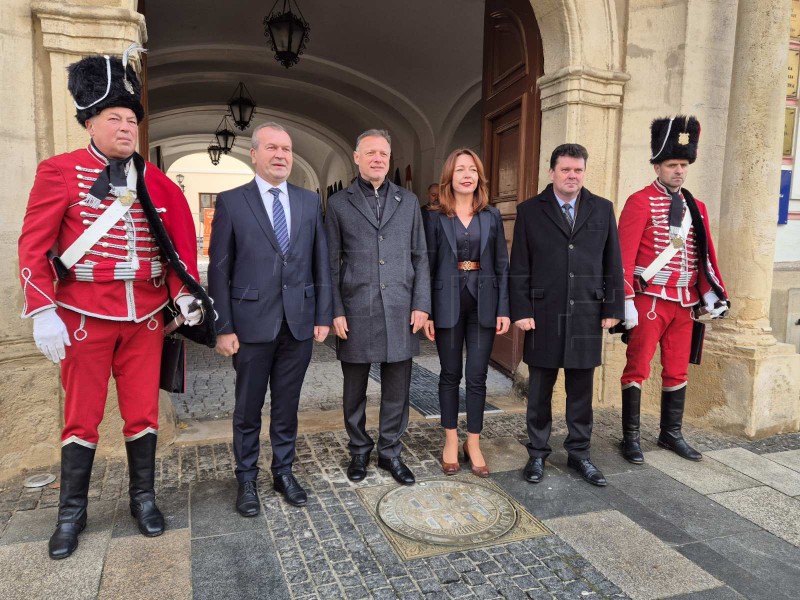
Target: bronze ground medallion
447, 512
443, 515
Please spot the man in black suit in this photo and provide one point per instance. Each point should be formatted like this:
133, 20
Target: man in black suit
269, 278
566, 287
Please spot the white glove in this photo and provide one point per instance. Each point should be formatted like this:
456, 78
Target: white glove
631, 314
50, 335
195, 316
710, 299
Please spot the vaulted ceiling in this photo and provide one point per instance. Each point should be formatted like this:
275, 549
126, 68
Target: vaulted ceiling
411, 66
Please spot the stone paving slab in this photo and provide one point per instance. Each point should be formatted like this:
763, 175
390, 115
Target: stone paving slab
637, 561
768, 508
719, 593
789, 459
28, 572
38, 525
706, 477
736, 577
140, 568
213, 512
765, 557
693, 513
760, 468
240, 565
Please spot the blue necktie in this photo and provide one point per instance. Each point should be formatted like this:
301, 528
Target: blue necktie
279, 221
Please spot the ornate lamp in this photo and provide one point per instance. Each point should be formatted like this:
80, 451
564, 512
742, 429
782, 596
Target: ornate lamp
241, 106
225, 136
287, 32
214, 153
180, 179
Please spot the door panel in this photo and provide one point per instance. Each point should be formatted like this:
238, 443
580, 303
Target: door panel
512, 63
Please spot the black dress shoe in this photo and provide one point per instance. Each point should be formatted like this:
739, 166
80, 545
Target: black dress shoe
357, 469
247, 499
64, 540
587, 470
631, 448
401, 473
678, 445
287, 485
534, 470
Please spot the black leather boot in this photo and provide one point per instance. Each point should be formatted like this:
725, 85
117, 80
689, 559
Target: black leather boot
672, 403
631, 405
141, 467
76, 472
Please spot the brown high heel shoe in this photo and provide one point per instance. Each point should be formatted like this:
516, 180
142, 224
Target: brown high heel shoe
482, 472
450, 468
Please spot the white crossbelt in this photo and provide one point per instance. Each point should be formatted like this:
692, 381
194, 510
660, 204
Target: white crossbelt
104, 222
670, 251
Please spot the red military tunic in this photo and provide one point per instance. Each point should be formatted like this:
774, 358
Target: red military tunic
664, 305
112, 298
58, 213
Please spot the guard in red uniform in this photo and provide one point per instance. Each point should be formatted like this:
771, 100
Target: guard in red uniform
671, 275
125, 245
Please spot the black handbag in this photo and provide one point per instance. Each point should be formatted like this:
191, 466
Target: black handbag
173, 365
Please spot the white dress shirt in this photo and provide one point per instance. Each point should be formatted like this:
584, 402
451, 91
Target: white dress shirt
267, 198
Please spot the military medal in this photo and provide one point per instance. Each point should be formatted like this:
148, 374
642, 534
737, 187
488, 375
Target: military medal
677, 242
127, 198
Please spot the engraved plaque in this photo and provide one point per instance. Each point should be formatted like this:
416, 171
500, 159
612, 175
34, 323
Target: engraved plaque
792, 67
451, 513
788, 132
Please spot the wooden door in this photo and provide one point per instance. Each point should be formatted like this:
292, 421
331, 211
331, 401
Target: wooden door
512, 62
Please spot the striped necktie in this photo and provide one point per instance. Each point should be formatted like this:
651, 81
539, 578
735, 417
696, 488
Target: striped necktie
279, 221
567, 208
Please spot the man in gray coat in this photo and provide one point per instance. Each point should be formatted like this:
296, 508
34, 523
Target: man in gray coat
381, 298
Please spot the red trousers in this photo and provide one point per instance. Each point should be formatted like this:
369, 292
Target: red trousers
665, 322
101, 347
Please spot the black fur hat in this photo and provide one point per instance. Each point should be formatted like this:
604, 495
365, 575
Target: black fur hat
674, 138
88, 82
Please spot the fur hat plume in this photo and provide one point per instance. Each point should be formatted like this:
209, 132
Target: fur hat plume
100, 82
674, 138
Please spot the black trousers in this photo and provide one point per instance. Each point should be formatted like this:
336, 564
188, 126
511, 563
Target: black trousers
393, 418
450, 344
579, 383
280, 364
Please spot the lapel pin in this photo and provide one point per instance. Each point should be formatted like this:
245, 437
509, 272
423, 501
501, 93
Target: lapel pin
396, 197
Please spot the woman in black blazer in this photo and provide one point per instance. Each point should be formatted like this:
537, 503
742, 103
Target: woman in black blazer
468, 260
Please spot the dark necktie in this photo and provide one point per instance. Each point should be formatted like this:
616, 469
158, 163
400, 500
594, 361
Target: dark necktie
279, 221
567, 208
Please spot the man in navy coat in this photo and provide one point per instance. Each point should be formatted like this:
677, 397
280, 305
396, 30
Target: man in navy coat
270, 280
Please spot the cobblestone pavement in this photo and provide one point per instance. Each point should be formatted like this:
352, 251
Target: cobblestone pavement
723, 528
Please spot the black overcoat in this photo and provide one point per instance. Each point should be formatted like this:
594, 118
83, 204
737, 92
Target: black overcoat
568, 281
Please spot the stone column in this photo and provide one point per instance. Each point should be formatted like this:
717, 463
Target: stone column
750, 383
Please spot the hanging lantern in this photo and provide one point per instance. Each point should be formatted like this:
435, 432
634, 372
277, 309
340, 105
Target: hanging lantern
241, 107
214, 153
225, 136
287, 33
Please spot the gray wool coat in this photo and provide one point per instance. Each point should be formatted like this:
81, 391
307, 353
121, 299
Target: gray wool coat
379, 273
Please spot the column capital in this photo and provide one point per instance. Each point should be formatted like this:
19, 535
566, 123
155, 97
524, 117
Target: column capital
582, 85
86, 29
